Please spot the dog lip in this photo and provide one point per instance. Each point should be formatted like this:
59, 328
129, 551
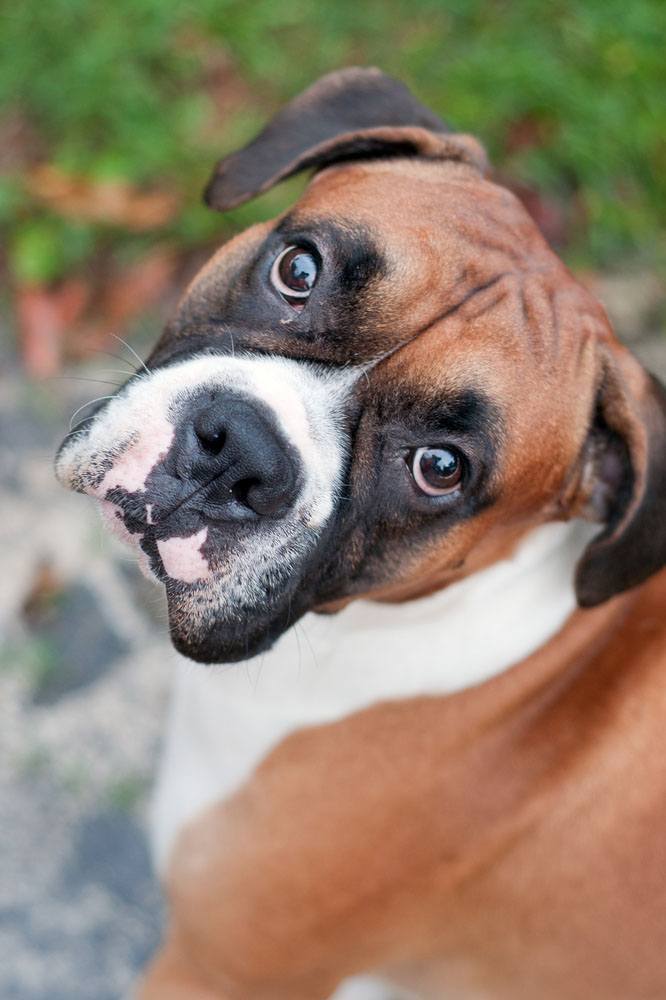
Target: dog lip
182, 558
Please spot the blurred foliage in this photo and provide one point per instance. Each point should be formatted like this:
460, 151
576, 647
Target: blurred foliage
125, 794
568, 96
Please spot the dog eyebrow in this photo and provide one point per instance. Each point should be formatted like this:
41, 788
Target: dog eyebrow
468, 412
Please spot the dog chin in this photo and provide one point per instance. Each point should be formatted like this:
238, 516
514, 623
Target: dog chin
202, 631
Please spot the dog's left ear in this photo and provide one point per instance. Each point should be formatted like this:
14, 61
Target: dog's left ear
626, 469
347, 115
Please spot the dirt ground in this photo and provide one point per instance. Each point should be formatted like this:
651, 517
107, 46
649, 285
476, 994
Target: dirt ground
84, 676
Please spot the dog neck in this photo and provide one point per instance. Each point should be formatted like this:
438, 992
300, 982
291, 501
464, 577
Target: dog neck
225, 720
436, 645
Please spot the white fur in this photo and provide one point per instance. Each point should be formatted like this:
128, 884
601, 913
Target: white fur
225, 720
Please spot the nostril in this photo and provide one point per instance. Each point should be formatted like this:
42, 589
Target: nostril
210, 431
211, 442
241, 490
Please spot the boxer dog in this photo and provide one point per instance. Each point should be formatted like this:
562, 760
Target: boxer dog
389, 452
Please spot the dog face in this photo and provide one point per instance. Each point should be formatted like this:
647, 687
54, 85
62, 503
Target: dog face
375, 394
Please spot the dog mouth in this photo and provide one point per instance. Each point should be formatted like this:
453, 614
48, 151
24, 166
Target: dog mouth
217, 612
230, 584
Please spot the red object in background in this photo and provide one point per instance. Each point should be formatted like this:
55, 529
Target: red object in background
44, 314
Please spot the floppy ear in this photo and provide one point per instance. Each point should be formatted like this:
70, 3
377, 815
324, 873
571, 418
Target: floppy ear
627, 462
350, 114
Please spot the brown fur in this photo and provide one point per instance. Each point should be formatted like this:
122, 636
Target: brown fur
506, 841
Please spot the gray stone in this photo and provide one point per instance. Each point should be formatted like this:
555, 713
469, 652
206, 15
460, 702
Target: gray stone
80, 643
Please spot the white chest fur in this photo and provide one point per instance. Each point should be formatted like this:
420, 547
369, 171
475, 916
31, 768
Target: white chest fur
224, 720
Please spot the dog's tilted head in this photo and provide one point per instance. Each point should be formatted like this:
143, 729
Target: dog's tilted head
376, 394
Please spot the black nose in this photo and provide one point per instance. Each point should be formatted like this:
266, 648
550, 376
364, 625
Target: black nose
234, 449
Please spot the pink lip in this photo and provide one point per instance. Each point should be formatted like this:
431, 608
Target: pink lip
182, 557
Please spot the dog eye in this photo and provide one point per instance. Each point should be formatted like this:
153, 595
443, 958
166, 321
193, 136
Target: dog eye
436, 471
294, 274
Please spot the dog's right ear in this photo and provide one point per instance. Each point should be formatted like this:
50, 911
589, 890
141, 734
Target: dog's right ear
627, 474
347, 115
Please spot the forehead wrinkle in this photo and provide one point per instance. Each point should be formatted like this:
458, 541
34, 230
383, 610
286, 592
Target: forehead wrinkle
446, 329
533, 317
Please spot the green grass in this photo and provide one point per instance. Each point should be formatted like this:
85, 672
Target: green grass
127, 90
126, 793
36, 658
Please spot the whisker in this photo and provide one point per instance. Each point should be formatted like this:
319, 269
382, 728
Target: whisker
82, 378
117, 371
300, 654
307, 639
255, 686
76, 412
130, 348
110, 354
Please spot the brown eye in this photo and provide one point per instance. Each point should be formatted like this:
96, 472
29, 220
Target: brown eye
437, 470
294, 273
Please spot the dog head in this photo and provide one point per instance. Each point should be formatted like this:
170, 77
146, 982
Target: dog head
375, 394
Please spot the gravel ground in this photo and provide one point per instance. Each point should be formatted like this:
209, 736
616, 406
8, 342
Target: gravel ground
84, 671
